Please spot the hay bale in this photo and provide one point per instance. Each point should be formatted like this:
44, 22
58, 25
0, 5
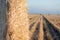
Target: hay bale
17, 20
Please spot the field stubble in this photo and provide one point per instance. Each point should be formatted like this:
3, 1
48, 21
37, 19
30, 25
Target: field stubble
40, 29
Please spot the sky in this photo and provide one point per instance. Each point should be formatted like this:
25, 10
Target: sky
44, 6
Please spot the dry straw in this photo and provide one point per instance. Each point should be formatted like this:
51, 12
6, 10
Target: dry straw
17, 20
41, 32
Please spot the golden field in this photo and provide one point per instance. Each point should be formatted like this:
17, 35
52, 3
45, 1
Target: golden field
43, 27
54, 19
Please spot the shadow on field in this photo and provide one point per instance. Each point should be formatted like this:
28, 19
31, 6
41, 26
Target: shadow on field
54, 32
35, 34
32, 25
45, 35
30, 18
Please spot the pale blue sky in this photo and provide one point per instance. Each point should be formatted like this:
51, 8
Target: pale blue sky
44, 6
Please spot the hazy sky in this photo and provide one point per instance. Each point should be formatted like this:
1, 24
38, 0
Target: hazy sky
44, 6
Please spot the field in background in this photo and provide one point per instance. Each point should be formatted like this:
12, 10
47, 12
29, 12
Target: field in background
55, 20
50, 29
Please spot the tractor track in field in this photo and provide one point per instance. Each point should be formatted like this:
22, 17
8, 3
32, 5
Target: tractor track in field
36, 32
34, 29
49, 30
32, 24
53, 32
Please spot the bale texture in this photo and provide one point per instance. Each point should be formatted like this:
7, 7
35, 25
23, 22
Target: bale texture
17, 20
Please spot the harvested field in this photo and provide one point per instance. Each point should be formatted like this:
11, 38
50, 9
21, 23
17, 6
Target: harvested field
55, 20
41, 27
54, 33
